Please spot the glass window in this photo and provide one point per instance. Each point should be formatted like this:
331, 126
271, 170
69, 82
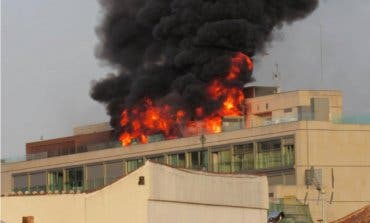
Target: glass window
221, 161
114, 170
134, 164
290, 179
38, 181
224, 161
178, 160
269, 154
157, 159
75, 178
20, 182
199, 160
243, 157
288, 155
55, 179
288, 151
275, 180
95, 176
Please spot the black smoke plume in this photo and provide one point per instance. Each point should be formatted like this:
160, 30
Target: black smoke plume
169, 50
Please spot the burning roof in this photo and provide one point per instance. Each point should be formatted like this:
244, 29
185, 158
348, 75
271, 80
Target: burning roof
181, 64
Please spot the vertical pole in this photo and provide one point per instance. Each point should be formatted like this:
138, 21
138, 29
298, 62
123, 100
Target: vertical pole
187, 160
28, 182
232, 160
323, 206
47, 182
209, 154
126, 165
255, 155
322, 66
105, 177
166, 159
84, 177
65, 180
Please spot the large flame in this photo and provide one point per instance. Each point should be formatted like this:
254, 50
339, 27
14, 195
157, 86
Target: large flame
148, 119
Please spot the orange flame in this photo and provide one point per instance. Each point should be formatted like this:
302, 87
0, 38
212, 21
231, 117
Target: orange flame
148, 119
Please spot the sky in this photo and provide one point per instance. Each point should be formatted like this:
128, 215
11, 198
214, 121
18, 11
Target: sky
48, 63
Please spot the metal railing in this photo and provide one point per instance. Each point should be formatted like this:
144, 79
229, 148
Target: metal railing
352, 119
294, 211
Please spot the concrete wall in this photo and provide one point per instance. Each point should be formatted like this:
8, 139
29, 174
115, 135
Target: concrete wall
123, 201
160, 199
189, 196
169, 184
273, 105
342, 153
44, 208
169, 212
88, 129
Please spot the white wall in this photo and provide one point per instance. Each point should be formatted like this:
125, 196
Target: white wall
44, 208
170, 212
168, 193
170, 184
123, 201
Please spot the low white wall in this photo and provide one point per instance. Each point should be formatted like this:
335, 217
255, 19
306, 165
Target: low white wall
169, 212
169, 195
169, 184
123, 201
45, 208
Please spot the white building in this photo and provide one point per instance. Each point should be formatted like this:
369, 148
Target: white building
153, 193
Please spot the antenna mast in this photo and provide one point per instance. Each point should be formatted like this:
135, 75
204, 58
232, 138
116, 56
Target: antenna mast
276, 75
321, 59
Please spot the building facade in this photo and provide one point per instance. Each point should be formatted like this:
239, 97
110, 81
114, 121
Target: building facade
294, 138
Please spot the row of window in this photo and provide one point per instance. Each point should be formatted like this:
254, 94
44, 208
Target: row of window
242, 157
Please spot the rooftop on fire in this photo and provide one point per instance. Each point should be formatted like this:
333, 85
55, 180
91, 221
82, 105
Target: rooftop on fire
299, 139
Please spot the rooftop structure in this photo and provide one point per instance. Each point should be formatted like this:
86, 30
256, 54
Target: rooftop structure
295, 138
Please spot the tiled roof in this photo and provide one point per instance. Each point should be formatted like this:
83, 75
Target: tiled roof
360, 216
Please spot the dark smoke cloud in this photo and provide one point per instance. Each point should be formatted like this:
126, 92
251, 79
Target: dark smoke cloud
169, 50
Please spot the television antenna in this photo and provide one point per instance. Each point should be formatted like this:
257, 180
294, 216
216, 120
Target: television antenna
276, 75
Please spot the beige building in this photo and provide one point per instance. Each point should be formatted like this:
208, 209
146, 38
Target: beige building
155, 194
297, 139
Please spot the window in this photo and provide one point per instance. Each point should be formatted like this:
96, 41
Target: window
157, 159
199, 160
269, 154
178, 160
243, 157
114, 170
38, 181
55, 180
221, 161
288, 152
95, 176
20, 182
74, 178
288, 110
283, 178
225, 161
134, 164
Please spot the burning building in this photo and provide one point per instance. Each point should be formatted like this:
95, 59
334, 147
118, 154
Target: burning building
183, 96
297, 139
181, 65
